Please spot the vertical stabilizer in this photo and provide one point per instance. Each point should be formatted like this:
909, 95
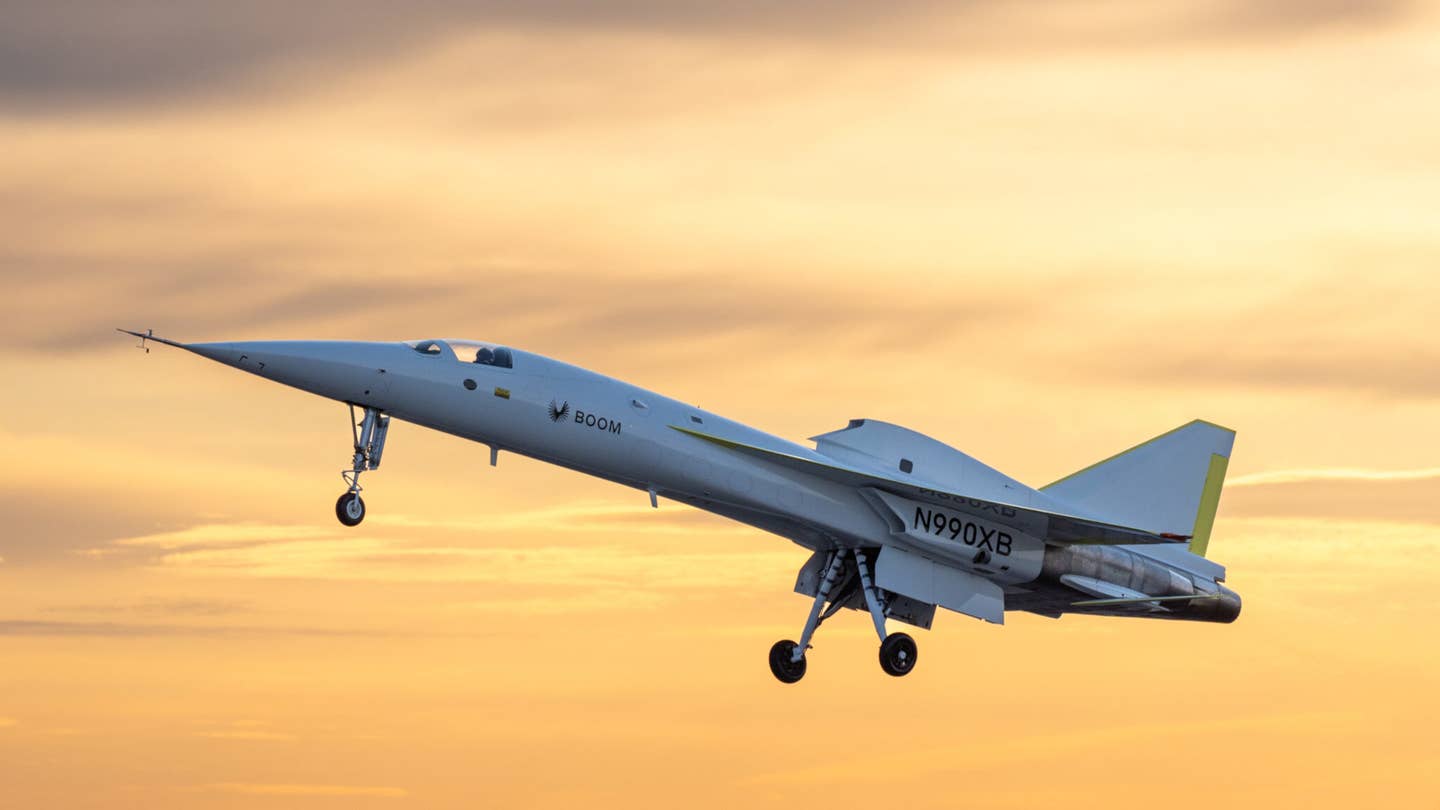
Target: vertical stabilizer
1170, 484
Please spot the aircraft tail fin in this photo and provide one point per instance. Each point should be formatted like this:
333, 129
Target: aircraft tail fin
1168, 485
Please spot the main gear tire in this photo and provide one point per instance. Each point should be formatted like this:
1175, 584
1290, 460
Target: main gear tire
783, 664
897, 654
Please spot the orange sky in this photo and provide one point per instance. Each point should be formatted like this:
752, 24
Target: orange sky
1039, 231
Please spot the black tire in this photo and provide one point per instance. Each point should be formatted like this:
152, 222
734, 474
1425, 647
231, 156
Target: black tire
781, 665
350, 509
897, 654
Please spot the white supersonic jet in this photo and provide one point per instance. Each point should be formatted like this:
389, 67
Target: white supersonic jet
897, 523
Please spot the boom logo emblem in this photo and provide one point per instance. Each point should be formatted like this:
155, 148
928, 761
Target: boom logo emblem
558, 412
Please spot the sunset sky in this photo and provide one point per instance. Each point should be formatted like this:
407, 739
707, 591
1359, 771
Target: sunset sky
1038, 231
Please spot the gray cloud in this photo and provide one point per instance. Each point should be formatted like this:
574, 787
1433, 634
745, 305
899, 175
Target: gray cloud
89, 52
97, 52
248, 295
1405, 372
208, 296
1283, 332
201, 607
1290, 16
28, 627
25, 627
1401, 500
47, 527
1317, 333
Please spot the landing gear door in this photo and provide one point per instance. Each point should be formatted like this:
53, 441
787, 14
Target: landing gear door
369, 432
939, 584
377, 440
807, 582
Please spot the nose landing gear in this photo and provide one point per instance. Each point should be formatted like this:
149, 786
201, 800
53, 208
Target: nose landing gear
369, 435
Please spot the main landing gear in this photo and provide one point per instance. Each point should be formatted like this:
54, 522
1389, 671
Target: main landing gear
369, 434
897, 650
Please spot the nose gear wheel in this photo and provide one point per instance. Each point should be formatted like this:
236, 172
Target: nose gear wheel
350, 509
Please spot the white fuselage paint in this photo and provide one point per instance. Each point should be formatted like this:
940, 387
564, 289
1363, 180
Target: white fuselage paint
635, 445
578, 419
1000, 553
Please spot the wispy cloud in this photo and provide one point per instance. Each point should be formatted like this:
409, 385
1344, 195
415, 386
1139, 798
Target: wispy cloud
184, 607
27, 627
1042, 746
246, 734
264, 789
593, 551
224, 535
586, 567
247, 730
574, 516
588, 602
1326, 474
1317, 331
206, 296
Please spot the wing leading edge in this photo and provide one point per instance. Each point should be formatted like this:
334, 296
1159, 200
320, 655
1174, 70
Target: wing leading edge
1053, 527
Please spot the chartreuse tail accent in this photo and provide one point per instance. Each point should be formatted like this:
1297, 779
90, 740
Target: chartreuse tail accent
1209, 502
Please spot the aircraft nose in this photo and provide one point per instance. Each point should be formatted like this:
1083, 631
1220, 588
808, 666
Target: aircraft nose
226, 353
351, 371
252, 356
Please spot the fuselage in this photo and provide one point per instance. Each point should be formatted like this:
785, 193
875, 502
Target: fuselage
571, 417
535, 406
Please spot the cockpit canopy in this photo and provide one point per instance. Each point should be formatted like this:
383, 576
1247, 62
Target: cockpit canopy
465, 351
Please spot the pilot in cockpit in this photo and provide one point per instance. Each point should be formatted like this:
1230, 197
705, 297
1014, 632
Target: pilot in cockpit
485, 356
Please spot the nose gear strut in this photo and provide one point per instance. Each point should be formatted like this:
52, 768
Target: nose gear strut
369, 439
